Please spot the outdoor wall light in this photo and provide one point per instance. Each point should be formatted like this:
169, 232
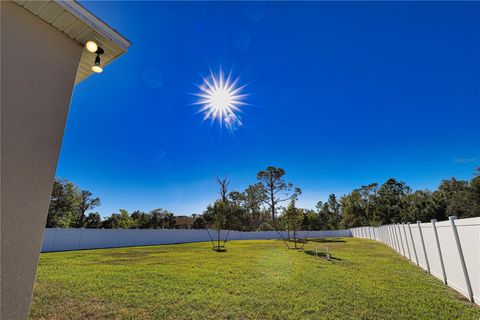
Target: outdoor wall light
96, 67
93, 47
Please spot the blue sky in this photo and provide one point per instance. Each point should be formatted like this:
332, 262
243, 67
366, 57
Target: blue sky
340, 95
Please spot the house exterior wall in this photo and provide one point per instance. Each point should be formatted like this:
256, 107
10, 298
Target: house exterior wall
38, 69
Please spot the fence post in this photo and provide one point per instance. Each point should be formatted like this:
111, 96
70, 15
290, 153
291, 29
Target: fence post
387, 235
401, 241
462, 258
79, 238
439, 250
399, 244
406, 241
392, 244
413, 243
423, 245
387, 232
394, 236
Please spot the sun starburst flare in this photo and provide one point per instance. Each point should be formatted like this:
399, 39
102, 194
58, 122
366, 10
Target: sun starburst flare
221, 99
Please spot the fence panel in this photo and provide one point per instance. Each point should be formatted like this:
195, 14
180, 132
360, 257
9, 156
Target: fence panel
408, 245
451, 258
49, 240
65, 240
126, 237
141, 237
417, 240
469, 234
89, 239
108, 239
443, 258
431, 248
57, 239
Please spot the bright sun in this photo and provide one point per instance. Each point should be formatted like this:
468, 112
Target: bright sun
221, 99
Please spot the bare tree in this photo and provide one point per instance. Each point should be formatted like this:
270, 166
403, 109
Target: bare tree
223, 184
220, 210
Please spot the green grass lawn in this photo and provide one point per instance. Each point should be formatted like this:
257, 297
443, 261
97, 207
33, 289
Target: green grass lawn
252, 280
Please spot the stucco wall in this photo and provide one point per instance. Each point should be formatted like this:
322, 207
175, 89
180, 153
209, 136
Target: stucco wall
38, 68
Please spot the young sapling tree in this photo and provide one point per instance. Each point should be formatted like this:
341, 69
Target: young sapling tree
293, 220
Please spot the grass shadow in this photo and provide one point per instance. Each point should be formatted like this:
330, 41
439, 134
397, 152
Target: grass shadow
321, 255
326, 240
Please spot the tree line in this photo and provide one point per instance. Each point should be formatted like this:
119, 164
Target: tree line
259, 207
69, 205
270, 204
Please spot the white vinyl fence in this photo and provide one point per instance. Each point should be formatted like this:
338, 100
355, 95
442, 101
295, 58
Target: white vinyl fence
56, 239
449, 250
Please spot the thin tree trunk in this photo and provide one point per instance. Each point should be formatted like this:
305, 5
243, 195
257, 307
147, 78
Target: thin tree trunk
295, 238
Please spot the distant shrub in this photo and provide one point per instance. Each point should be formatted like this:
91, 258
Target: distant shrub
265, 227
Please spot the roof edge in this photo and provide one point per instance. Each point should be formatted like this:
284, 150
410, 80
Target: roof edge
95, 23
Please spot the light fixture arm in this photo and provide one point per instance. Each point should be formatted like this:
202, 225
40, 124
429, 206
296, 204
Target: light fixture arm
97, 58
97, 65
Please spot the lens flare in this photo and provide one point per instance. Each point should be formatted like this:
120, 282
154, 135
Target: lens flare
221, 99
233, 122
